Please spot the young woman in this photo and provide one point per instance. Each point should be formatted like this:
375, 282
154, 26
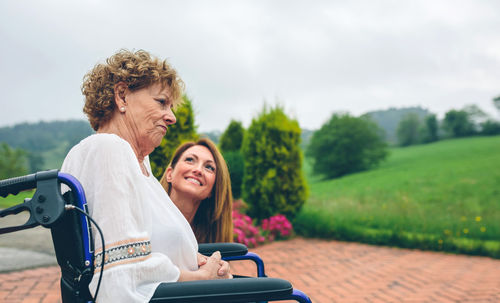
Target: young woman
197, 180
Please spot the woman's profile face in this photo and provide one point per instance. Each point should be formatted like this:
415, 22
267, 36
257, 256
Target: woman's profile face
148, 114
194, 174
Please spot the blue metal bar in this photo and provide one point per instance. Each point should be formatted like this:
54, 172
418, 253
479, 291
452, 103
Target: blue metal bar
299, 296
250, 256
77, 188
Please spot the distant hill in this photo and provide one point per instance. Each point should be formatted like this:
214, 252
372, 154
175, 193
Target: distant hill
212, 135
46, 142
389, 119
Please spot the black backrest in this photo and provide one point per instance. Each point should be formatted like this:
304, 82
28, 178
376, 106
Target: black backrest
67, 237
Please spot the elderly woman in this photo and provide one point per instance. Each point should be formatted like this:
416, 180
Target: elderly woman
129, 101
197, 180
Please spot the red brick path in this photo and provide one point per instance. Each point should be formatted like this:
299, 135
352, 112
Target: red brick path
331, 271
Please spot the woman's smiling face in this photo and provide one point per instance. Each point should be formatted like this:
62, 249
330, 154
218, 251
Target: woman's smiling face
194, 174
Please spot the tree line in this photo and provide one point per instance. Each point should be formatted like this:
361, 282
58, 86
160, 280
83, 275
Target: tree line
265, 160
468, 121
22, 145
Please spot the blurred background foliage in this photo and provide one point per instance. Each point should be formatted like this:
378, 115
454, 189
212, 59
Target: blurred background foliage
399, 177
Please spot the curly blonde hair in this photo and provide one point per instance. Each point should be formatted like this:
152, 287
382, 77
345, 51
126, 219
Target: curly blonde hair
137, 69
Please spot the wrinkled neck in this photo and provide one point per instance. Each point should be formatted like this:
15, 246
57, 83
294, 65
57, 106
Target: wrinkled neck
120, 129
119, 126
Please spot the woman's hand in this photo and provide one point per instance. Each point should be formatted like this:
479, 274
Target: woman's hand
224, 270
216, 268
213, 268
202, 259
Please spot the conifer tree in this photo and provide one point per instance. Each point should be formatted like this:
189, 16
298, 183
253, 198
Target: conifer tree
273, 181
230, 145
232, 137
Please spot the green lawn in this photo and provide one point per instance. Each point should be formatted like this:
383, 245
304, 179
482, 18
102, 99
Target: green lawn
441, 195
13, 200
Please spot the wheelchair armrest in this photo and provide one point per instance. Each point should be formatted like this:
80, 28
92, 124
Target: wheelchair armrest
226, 249
233, 252
232, 290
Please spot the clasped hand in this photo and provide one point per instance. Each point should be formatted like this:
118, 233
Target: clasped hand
214, 266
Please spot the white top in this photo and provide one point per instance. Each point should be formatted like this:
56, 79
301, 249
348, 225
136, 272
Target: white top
147, 238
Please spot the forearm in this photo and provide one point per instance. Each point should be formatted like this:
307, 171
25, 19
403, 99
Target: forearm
187, 275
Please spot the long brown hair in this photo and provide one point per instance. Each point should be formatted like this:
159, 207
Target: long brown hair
213, 220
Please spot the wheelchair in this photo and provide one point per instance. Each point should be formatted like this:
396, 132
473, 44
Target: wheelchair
66, 216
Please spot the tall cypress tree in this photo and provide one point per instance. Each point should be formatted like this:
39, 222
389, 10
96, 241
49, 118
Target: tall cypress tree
273, 181
232, 137
230, 145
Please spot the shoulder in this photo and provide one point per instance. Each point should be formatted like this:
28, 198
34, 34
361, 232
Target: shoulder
104, 141
101, 149
102, 144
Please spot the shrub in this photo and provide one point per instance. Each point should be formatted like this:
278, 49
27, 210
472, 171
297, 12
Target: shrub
458, 123
230, 145
236, 166
408, 130
246, 232
277, 227
346, 144
430, 130
490, 128
232, 137
183, 130
273, 181
315, 223
13, 162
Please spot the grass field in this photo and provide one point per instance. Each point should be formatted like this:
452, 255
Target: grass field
13, 200
443, 196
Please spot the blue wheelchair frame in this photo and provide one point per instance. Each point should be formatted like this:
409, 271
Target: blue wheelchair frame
49, 208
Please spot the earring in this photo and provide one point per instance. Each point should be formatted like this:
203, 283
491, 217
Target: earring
122, 109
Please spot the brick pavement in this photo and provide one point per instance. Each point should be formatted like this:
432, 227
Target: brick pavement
330, 271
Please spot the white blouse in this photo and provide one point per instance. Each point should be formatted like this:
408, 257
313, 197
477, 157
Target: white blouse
147, 238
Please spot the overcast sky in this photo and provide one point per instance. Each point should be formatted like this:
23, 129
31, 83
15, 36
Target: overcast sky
313, 57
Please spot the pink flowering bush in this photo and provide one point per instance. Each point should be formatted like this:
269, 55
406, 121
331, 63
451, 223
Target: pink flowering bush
276, 227
245, 231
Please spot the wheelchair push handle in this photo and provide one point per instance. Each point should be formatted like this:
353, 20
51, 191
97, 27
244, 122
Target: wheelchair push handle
45, 208
17, 184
